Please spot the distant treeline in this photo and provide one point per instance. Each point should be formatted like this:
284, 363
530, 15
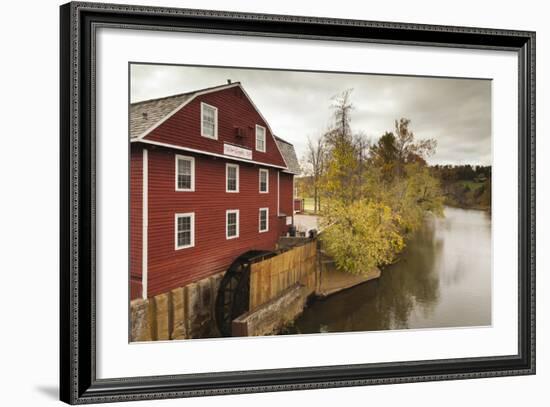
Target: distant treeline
462, 172
465, 186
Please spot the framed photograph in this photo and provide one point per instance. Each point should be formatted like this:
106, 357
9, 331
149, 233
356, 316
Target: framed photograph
254, 203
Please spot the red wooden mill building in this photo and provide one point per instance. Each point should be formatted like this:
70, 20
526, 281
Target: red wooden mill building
208, 181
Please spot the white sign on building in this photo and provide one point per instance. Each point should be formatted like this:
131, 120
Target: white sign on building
236, 151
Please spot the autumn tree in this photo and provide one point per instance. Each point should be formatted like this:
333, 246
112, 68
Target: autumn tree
409, 187
376, 194
341, 178
384, 155
362, 147
316, 162
341, 107
342, 175
408, 148
361, 235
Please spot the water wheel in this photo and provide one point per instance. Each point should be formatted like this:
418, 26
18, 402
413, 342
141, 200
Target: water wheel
234, 291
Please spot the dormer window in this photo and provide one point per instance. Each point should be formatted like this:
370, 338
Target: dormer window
260, 138
209, 121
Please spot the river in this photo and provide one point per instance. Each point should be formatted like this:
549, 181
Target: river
442, 280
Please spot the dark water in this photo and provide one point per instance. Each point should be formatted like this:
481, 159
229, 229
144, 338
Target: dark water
442, 280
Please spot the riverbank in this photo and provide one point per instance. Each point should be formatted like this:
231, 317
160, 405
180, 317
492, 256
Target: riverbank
443, 279
468, 194
468, 207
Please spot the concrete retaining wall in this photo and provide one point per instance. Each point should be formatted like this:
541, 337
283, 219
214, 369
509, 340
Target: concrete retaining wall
272, 316
286, 242
330, 280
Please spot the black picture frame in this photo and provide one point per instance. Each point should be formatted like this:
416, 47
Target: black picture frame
78, 382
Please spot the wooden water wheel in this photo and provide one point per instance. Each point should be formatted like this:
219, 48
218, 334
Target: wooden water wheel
234, 291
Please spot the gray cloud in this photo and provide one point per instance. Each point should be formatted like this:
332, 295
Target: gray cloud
455, 112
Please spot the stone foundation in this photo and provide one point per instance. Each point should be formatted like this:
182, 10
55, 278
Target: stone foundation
183, 313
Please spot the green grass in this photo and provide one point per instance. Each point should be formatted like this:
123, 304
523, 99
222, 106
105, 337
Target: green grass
308, 204
471, 184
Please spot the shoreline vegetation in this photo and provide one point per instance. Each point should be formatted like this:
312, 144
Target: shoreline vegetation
465, 186
372, 196
470, 206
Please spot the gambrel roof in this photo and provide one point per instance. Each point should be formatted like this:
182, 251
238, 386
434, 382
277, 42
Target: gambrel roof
147, 115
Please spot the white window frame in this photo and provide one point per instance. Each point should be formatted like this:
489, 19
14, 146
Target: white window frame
183, 215
266, 220
187, 158
227, 166
266, 181
227, 212
265, 138
203, 105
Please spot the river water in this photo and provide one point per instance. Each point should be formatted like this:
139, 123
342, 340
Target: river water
442, 280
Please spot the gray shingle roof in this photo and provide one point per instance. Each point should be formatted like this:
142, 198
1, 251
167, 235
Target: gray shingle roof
289, 155
145, 114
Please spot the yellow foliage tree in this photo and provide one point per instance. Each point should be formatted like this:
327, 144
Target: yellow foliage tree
371, 209
361, 235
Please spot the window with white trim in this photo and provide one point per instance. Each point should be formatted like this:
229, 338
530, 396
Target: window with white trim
185, 230
264, 181
185, 173
263, 220
209, 121
231, 178
260, 138
232, 224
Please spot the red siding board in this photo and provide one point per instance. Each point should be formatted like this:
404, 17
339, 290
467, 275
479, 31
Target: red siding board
234, 111
169, 268
286, 185
136, 158
286, 188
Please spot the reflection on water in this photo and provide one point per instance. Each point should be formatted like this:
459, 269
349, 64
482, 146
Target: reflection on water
442, 280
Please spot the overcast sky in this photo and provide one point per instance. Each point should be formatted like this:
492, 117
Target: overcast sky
455, 112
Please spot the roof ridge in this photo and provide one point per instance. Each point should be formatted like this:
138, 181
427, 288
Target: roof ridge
283, 140
185, 93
